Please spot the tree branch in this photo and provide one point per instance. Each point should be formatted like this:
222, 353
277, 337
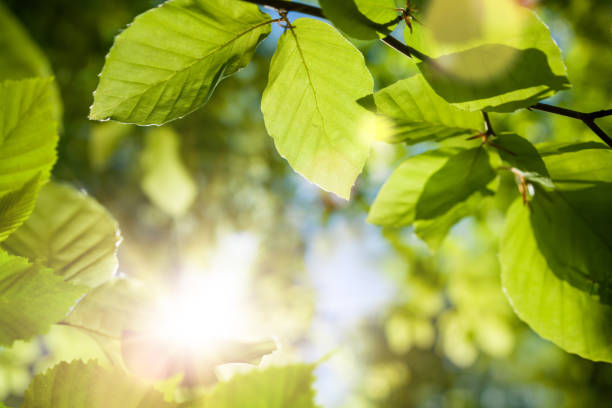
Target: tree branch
587, 118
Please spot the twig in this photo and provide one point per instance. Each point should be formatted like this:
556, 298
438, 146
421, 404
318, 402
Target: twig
587, 118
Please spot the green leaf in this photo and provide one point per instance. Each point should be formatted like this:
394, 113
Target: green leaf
395, 204
273, 387
28, 132
571, 229
78, 384
32, 298
71, 233
434, 231
166, 180
499, 57
16, 207
559, 254
168, 62
362, 19
571, 318
584, 168
21, 58
429, 185
420, 114
310, 107
523, 156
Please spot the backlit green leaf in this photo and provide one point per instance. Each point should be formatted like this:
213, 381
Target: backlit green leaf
310, 107
16, 207
166, 180
435, 230
362, 19
420, 114
32, 298
28, 132
573, 319
70, 233
169, 60
429, 185
556, 258
273, 387
493, 55
78, 384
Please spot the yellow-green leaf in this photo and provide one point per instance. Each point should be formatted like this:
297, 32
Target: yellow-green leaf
168, 62
310, 107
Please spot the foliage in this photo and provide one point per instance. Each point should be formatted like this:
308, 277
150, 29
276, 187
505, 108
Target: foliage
544, 207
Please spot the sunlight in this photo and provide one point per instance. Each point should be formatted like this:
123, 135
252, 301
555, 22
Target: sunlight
208, 306
201, 313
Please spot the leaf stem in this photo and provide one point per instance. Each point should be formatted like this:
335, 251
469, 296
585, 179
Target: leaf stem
587, 118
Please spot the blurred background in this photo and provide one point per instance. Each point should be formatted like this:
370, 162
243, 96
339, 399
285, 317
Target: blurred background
398, 322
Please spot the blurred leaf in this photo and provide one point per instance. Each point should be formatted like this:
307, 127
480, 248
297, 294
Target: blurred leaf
429, 185
166, 180
273, 387
571, 318
111, 308
488, 55
310, 108
108, 310
168, 62
105, 138
150, 356
78, 384
32, 298
21, 58
420, 114
71, 233
362, 19
28, 132
16, 207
